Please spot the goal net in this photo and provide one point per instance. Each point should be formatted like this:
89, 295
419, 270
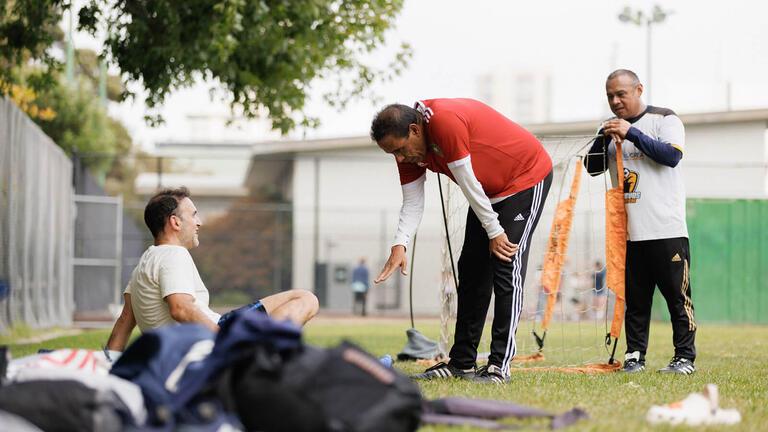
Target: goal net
575, 333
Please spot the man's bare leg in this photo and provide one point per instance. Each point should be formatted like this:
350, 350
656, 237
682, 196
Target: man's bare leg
298, 306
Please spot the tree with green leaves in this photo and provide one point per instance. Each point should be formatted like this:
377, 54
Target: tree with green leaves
263, 54
82, 123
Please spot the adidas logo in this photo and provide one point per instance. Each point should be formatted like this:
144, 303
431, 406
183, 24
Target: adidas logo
520, 217
676, 258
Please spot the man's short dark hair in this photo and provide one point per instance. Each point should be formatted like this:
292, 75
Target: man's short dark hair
393, 120
619, 72
161, 206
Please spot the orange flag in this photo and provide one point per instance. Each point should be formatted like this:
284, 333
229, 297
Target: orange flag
616, 243
552, 268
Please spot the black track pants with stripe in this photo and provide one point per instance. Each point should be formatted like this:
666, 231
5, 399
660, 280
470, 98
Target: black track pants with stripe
664, 263
480, 274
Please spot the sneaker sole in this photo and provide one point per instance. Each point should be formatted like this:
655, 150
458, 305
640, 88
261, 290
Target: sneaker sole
675, 372
494, 380
432, 378
437, 376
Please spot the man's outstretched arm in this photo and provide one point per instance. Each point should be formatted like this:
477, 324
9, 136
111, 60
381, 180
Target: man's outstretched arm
184, 310
121, 332
410, 218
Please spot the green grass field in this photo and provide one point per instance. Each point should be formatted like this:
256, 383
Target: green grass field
733, 357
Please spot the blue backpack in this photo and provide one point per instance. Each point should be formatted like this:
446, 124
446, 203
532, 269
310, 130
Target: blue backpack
171, 364
157, 359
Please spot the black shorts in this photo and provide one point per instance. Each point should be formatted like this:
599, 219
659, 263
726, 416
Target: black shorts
256, 306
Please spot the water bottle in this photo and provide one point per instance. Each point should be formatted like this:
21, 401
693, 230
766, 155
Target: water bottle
386, 360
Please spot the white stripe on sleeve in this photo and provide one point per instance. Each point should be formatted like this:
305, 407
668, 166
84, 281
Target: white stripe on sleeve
411, 211
473, 191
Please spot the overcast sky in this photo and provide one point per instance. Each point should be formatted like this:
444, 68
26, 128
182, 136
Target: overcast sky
696, 52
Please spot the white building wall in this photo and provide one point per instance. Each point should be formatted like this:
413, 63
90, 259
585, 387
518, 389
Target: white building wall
303, 228
214, 172
360, 200
726, 160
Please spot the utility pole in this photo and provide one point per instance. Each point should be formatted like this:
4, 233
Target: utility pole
103, 83
637, 17
70, 64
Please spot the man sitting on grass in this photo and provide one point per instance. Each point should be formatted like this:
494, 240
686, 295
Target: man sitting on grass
165, 287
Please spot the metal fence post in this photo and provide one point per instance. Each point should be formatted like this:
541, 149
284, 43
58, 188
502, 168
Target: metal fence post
118, 246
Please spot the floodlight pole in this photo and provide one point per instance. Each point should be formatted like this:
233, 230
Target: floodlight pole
316, 230
648, 42
657, 15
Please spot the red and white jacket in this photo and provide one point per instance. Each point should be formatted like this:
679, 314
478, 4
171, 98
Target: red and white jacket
487, 155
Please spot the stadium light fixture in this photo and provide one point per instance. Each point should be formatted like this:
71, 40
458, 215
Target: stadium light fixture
640, 18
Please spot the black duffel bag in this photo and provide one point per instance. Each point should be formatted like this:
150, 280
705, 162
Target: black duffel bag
337, 389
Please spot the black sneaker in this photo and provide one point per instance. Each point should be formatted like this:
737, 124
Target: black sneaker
679, 365
633, 365
490, 374
632, 362
444, 370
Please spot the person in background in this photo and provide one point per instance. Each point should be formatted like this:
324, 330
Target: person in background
360, 285
600, 292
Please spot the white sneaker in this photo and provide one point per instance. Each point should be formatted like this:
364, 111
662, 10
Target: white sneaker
696, 409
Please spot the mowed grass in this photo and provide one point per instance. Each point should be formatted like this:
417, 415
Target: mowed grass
733, 357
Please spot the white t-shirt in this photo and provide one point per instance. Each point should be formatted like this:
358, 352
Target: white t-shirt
654, 194
164, 270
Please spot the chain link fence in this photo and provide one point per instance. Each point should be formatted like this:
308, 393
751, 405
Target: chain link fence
35, 225
260, 230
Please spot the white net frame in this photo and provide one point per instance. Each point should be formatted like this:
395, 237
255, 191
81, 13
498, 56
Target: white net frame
576, 334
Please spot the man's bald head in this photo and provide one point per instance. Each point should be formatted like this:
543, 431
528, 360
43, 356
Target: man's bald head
623, 72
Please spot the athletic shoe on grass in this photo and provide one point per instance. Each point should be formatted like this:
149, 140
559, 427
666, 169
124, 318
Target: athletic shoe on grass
490, 374
444, 370
679, 365
632, 363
